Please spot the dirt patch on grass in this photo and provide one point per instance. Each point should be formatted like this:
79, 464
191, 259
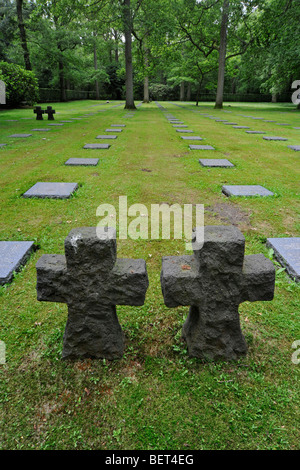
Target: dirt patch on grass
231, 214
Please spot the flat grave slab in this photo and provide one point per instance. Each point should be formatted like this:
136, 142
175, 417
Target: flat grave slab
13, 255
20, 135
96, 146
113, 130
82, 161
293, 147
274, 138
45, 190
241, 127
255, 132
245, 190
191, 137
221, 120
230, 123
106, 136
2, 145
296, 128
201, 147
180, 125
215, 162
282, 124
66, 121
268, 120
287, 252
184, 130
41, 130
117, 125
55, 124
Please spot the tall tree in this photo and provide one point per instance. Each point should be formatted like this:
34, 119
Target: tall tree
127, 28
222, 54
22, 30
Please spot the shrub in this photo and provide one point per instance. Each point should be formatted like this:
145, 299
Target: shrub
21, 84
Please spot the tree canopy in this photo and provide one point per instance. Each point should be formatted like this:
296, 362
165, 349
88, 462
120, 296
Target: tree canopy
154, 49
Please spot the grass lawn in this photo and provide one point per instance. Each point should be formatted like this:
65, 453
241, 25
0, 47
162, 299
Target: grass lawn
155, 397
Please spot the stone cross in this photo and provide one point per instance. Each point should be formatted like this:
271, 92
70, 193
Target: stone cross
92, 281
213, 282
39, 113
50, 111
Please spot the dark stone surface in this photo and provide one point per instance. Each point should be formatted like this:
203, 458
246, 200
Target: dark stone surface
201, 147
39, 113
92, 281
50, 111
287, 252
20, 135
294, 147
46, 190
82, 161
245, 190
13, 255
215, 162
112, 137
274, 138
96, 146
213, 282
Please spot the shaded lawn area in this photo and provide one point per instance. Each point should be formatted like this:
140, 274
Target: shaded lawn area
155, 397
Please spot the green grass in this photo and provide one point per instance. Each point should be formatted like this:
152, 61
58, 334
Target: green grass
155, 397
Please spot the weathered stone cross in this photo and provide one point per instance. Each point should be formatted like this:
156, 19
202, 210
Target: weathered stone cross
50, 111
92, 281
213, 282
39, 113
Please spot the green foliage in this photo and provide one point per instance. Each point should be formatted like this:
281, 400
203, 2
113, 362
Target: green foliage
21, 84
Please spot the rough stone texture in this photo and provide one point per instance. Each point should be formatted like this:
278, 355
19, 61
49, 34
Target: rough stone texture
92, 281
82, 161
274, 138
46, 190
215, 162
50, 111
294, 147
13, 255
246, 190
213, 282
201, 147
96, 146
20, 135
287, 252
39, 113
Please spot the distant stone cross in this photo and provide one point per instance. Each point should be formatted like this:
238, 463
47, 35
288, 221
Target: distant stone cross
39, 113
92, 281
50, 111
213, 282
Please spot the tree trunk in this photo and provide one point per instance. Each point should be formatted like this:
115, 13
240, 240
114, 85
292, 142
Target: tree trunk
127, 22
274, 97
63, 95
146, 90
181, 91
188, 93
222, 55
115, 33
96, 68
22, 30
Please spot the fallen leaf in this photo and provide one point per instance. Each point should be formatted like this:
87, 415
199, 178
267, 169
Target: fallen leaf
185, 267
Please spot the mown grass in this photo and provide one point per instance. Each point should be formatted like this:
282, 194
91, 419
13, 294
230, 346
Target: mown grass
155, 397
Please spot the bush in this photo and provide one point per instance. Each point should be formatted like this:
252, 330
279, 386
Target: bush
21, 84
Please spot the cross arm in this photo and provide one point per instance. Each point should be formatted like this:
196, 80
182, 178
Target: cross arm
258, 278
128, 282
52, 283
180, 280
